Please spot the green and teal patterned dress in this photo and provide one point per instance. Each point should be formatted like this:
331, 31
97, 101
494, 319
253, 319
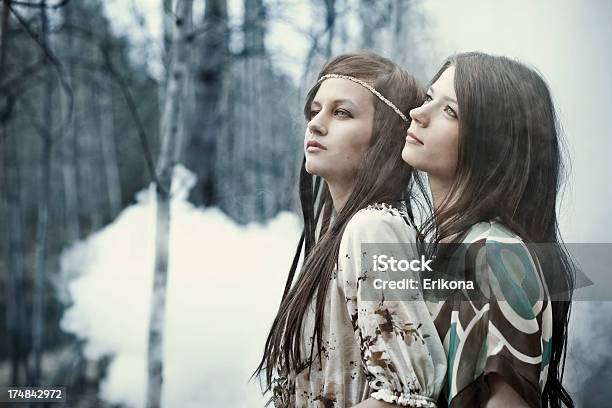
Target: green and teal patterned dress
506, 330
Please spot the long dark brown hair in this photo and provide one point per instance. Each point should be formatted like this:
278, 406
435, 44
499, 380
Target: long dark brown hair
382, 176
510, 168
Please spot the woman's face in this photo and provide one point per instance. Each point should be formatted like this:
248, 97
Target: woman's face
432, 139
339, 130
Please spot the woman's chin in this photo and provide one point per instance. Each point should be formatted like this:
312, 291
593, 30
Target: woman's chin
415, 160
408, 156
311, 169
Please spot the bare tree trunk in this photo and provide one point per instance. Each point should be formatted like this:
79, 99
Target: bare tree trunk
254, 27
12, 216
44, 191
172, 115
4, 20
106, 182
91, 133
87, 133
254, 51
205, 124
15, 308
167, 25
69, 164
330, 21
109, 156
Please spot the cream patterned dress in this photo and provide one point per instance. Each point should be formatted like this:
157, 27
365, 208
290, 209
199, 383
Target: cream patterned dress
387, 350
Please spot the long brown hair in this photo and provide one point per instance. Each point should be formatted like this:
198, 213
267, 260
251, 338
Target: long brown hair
382, 176
510, 168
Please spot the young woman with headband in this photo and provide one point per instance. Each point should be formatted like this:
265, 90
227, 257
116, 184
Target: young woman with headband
328, 346
488, 139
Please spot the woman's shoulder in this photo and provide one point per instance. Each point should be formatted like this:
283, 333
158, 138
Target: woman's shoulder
507, 258
380, 214
490, 232
379, 220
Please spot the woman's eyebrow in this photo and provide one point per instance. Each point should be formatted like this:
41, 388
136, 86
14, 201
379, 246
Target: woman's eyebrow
344, 101
448, 98
338, 102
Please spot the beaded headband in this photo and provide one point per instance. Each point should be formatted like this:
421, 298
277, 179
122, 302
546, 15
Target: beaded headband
370, 88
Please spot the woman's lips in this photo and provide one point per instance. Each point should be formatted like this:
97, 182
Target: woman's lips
411, 138
314, 146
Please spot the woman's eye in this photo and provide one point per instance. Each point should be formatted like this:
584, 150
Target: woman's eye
313, 113
428, 98
342, 113
450, 111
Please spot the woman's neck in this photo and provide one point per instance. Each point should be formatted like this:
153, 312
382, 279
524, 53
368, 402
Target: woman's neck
439, 190
339, 192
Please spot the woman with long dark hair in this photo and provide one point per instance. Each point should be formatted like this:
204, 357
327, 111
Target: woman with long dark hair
488, 139
329, 346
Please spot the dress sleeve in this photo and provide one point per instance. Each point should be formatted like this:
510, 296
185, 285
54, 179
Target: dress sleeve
508, 331
401, 353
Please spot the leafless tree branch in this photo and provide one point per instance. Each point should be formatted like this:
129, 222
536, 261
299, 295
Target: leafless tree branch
131, 104
54, 61
37, 5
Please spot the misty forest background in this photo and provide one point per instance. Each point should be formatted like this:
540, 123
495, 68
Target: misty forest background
87, 120
84, 125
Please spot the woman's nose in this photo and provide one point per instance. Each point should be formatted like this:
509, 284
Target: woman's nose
316, 127
419, 115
